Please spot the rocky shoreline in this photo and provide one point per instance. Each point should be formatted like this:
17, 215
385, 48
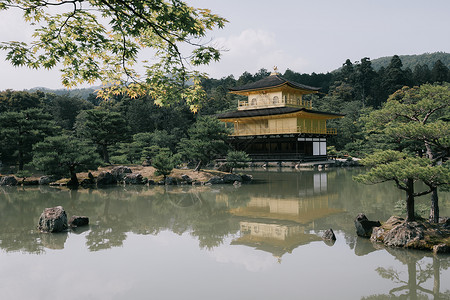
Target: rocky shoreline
138, 175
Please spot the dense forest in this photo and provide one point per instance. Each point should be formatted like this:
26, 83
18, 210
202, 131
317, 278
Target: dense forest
124, 130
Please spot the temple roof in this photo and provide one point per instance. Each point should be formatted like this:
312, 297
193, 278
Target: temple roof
272, 81
271, 112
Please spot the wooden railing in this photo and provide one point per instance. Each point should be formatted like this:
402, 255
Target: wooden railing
264, 103
298, 129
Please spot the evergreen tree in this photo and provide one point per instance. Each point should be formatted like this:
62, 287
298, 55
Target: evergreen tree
347, 72
394, 77
207, 141
405, 171
19, 130
65, 155
440, 72
363, 78
237, 159
19, 100
102, 127
421, 74
164, 162
413, 114
64, 109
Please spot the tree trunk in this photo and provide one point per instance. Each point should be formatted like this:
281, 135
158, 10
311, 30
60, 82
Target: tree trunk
73, 178
429, 153
105, 153
198, 167
20, 159
410, 200
434, 210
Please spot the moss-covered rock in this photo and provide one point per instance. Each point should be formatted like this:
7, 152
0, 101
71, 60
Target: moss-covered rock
420, 234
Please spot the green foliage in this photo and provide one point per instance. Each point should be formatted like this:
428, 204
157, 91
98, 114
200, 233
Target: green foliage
19, 100
412, 114
164, 162
143, 115
410, 61
64, 155
141, 146
64, 109
23, 174
207, 141
102, 40
102, 127
19, 130
398, 167
404, 171
237, 159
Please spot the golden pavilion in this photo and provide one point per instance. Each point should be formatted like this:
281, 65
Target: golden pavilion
276, 123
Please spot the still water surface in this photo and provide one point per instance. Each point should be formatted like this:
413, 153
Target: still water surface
256, 241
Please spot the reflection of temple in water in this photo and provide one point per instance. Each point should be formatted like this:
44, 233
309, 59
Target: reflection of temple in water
280, 222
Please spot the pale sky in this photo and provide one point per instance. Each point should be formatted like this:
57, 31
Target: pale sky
304, 36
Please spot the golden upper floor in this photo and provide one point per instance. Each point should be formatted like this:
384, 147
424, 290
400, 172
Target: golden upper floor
273, 91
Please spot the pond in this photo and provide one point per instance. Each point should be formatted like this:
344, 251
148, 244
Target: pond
255, 241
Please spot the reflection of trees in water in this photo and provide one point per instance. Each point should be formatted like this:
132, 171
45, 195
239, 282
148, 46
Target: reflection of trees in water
114, 212
20, 209
411, 286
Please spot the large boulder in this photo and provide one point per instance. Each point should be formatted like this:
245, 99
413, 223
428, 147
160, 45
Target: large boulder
364, 227
186, 178
405, 234
120, 172
30, 182
170, 181
133, 179
106, 178
46, 180
231, 178
8, 180
53, 219
215, 180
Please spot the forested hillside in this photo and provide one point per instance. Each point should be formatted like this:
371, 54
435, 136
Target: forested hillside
410, 61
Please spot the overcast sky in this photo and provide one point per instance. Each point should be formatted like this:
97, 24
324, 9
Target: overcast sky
304, 36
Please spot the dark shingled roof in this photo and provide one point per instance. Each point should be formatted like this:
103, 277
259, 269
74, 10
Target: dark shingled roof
271, 82
270, 112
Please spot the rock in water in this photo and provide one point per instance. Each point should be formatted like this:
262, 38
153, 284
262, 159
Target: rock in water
403, 235
120, 172
231, 178
215, 180
53, 220
133, 179
8, 180
46, 180
441, 248
364, 227
329, 235
76, 221
106, 178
